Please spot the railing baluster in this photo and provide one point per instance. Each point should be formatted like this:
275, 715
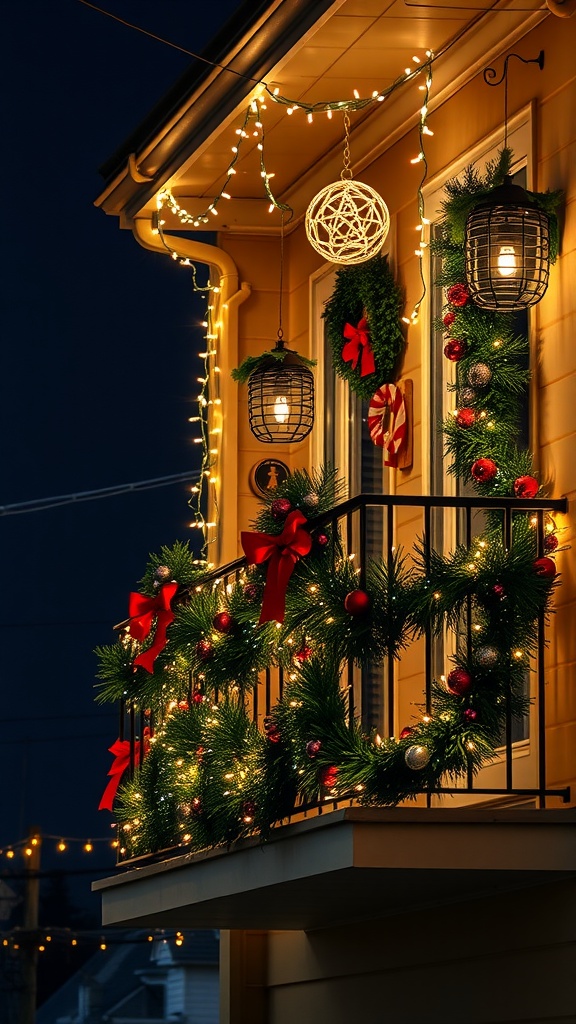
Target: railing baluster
540, 682
391, 668
132, 719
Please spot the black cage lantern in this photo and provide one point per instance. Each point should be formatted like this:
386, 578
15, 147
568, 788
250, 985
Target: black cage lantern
507, 250
281, 399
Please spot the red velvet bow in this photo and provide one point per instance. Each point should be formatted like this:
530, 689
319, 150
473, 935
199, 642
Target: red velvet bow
358, 347
142, 610
282, 552
121, 751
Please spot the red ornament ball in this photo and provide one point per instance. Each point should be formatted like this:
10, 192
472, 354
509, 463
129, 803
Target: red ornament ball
272, 731
223, 622
280, 508
197, 697
499, 591
204, 650
183, 705
303, 654
550, 542
448, 319
328, 777
459, 682
455, 349
545, 567
250, 591
322, 539
248, 811
526, 487
406, 732
484, 470
465, 417
313, 747
469, 715
357, 602
458, 295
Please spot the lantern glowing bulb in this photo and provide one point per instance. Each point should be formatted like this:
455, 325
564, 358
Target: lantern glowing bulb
281, 409
506, 261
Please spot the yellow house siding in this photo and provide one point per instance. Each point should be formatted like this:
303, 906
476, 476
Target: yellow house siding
424, 967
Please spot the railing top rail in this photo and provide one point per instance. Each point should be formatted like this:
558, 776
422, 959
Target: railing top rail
410, 500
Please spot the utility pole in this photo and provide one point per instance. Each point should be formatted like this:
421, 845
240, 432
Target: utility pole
29, 949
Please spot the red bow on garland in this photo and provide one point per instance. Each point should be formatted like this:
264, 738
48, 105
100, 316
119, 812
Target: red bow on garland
142, 610
121, 751
282, 552
358, 347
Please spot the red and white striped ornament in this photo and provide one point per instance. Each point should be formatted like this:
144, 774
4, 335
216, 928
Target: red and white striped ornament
388, 397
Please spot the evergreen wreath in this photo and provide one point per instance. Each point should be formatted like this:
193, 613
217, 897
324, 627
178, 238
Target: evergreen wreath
369, 291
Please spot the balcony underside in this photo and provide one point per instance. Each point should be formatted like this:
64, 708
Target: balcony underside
346, 866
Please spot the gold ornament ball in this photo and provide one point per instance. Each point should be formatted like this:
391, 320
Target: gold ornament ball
347, 222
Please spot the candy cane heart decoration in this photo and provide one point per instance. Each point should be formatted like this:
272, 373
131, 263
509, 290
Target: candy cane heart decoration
388, 402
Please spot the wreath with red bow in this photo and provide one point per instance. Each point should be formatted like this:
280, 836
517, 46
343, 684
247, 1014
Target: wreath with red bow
363, 325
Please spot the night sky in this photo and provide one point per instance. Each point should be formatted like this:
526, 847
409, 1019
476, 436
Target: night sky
99, 339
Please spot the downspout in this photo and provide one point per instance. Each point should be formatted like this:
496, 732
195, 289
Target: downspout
222, 268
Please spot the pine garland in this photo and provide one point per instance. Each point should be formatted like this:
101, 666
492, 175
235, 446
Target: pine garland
491, 361
367, 290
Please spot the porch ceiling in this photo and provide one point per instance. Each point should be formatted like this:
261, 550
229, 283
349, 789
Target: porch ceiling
362, 45
347, 866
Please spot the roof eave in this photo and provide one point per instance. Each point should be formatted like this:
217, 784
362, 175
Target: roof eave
214, 98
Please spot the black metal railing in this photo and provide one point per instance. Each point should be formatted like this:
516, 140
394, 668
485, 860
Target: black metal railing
429, 521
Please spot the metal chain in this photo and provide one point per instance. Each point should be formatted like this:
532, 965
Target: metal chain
346, 171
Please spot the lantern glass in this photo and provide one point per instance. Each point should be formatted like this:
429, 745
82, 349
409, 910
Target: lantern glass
507, 250
281, 400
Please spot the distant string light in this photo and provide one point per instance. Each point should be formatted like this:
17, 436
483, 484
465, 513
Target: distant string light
62, 844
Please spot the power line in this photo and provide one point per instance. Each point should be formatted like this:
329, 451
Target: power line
39, 504
175, 46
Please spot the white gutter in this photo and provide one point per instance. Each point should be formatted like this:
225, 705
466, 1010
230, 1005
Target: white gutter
224, 271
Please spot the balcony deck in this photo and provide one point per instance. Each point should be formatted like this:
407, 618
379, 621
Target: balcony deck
345, 866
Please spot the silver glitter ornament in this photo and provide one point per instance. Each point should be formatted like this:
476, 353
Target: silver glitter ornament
479, 375
467, 396
161, 575
417, 757
487, 656
311, 500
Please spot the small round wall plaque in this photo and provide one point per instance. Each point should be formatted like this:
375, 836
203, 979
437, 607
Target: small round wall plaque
268, 474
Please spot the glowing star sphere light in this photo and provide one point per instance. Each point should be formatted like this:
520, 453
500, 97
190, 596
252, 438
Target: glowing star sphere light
347, 222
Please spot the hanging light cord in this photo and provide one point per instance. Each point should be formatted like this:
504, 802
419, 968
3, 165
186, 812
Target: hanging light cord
280, 342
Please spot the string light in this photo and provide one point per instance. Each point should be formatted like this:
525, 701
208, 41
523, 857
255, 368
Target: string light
420, 158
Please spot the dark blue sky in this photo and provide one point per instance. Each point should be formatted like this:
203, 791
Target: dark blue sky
98, 378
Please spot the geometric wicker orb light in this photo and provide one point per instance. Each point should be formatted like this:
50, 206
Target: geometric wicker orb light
507, 250
347, 222
281, 398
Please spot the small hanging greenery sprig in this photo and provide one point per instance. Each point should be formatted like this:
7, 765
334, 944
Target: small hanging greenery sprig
491, 359
363, 323
246, 369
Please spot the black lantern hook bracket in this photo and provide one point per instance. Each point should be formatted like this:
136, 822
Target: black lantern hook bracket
489, 74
